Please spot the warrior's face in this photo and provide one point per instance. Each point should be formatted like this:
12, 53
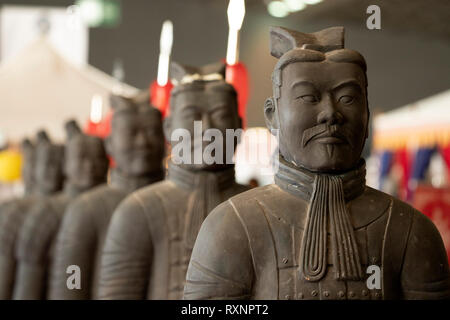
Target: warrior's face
49, 168
213, 104
137, 141
322, 114
86, 163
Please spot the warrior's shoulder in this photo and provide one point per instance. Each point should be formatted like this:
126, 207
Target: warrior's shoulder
90, 202
245, 206
258, 193
145, 202
401, 214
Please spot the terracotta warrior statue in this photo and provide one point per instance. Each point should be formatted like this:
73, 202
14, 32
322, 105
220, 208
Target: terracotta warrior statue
29, 160
42, 175
152, 232
85, 166
136, 144
28, 155
319, 232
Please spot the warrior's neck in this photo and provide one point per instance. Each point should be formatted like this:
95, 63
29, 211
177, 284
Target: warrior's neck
301, 182
72, 190
130, 183
187, 178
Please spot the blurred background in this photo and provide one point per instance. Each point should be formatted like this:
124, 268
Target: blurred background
61, 59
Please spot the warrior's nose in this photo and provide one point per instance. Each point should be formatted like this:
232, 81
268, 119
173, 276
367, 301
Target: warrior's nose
206, 121
329, 113
141, 138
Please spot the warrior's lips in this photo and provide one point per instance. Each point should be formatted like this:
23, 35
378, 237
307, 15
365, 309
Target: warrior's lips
332, 139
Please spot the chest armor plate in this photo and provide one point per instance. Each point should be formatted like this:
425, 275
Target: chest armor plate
292, 285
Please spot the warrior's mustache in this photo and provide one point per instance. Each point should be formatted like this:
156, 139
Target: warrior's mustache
326, 130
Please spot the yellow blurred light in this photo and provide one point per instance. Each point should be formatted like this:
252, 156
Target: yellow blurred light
10, 165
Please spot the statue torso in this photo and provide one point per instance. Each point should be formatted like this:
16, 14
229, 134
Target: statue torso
282, 217
163, 211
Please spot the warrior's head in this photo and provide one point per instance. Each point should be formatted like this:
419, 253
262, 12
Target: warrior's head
49, 159
319, 101
136, 141
85, 164
201, 94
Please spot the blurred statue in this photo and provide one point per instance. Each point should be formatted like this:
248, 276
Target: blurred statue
319, 232
85, 166
28, 152
152, 232
42, 175
136, 144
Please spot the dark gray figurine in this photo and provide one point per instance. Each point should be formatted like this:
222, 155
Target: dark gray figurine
42, 175
85, 166
28, 172
152, 232
319, 232
136, 144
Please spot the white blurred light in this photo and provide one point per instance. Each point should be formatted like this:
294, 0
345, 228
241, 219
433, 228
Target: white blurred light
236, 13
278, 9
295, 5
312, 1
74, 18
165, 49
96, 108
91, 12
166, 40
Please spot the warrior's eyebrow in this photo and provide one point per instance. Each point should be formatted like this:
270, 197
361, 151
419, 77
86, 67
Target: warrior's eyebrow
347, 83
303, 83
217, 106
189, 107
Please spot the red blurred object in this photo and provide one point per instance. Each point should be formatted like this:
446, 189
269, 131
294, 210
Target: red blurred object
91, 128
160, 96
403, 158
237, 75
101, 129
446, 155
435, 203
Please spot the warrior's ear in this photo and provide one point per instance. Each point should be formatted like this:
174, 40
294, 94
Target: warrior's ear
167, 127
281, 41
72, 129
108, 145
270, 114
368, 124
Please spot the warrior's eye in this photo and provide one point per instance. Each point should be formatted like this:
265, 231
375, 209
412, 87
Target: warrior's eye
309, 98
221, 113
346, 99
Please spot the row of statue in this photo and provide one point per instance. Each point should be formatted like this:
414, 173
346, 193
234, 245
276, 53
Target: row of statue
193, 232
